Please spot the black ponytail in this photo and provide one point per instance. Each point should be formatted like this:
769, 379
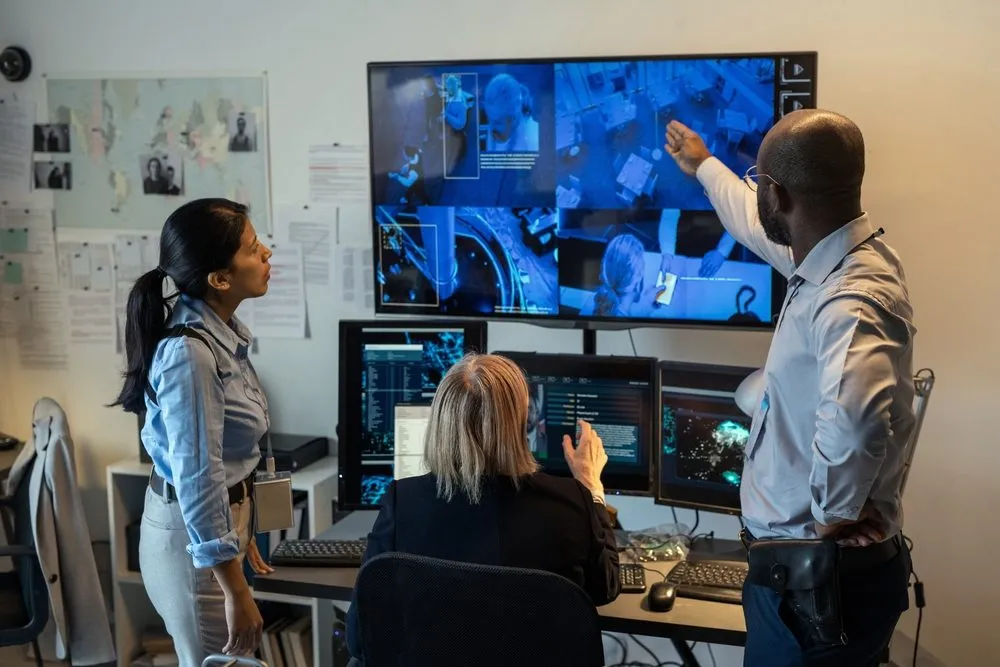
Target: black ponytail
200, 237
145, 325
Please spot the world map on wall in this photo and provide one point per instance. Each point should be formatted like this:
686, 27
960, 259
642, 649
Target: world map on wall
139, 148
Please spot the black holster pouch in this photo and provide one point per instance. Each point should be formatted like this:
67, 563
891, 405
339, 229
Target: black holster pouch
806, 574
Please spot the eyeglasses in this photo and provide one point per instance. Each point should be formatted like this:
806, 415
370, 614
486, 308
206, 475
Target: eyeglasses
752, 178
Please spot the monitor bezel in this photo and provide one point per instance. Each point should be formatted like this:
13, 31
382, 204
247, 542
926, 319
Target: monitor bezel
778, 282
348, 399
572, 363
715, 377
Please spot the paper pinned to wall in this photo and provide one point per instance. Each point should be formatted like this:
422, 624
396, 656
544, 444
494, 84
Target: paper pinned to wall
27, 247
354, 269
86, 272
338, 173
27, 264
16, 119
281, 313
41, 331
134, 255
314, 229
92, 318
86, 267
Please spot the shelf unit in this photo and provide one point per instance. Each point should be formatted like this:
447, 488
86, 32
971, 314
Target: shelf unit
127, 481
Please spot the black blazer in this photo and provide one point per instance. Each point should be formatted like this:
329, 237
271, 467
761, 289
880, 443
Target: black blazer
548, 523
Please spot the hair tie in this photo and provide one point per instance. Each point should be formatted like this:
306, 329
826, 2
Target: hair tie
160, 272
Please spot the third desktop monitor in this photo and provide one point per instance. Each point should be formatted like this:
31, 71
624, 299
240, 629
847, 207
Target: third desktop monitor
704, 436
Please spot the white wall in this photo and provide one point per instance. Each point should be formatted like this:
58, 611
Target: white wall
920, 78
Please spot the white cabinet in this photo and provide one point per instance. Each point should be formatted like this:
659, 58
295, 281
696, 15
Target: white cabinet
134, 613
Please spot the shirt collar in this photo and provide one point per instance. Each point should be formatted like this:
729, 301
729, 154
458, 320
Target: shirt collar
831, 251
197, 314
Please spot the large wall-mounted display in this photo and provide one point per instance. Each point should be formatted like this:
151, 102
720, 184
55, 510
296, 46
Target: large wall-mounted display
540, 189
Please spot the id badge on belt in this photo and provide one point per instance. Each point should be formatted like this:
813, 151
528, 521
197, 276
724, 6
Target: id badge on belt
273, 497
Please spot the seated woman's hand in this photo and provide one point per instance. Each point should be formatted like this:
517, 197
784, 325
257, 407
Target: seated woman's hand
587, 460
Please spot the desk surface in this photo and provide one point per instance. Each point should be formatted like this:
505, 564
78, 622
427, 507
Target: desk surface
692, 620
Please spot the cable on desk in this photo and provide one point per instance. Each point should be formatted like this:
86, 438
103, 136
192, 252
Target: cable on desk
634, 353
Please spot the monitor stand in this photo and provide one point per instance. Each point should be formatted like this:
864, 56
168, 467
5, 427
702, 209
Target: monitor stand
713, 548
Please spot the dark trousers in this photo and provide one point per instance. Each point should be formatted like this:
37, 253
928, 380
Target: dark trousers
871, 602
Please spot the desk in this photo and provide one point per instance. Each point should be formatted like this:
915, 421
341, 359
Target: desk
635, 174
567, 197
689, 620
566, 132
617, 111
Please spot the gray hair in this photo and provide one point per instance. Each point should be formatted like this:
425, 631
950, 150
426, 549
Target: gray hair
478, 426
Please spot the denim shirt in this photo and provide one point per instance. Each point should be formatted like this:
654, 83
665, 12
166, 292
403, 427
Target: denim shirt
203, 429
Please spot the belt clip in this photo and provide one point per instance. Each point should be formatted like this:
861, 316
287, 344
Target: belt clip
778, 578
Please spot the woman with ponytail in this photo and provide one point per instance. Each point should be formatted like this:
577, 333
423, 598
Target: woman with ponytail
621, 279
205, 413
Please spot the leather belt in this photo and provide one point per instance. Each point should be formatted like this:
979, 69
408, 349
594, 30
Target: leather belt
853, 559
237, 492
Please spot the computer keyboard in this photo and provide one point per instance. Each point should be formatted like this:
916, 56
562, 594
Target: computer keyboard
717, 581
319, 553
632, 577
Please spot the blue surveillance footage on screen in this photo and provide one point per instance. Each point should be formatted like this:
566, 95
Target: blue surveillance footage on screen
657, 264
542, 189
612, 118
462, 260
468, 135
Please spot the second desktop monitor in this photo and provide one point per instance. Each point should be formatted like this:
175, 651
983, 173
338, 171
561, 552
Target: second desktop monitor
618, 396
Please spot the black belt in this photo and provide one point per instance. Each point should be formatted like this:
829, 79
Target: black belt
853, 559
237, 492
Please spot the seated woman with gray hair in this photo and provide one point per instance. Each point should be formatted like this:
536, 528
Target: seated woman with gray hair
484, 500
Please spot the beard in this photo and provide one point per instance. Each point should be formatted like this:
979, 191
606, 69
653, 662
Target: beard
775, 230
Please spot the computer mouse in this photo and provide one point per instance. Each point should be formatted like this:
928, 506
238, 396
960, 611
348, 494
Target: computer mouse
662, 596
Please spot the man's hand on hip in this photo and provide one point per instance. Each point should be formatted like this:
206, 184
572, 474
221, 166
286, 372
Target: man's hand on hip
686, 147
869, 528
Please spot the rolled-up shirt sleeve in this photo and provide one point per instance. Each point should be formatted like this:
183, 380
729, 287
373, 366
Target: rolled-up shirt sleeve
858, 348
736, 205
191, 398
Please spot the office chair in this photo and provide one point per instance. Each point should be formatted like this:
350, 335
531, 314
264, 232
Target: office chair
24, 597
421, 611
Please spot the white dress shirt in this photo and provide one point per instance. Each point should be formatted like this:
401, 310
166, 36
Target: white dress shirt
832, 427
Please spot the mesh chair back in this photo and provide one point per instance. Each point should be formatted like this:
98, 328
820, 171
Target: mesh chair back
16, 516
418, 611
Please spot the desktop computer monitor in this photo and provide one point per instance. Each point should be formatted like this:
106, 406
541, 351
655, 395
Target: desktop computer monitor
385, 364
540, 189
617, 395
704, 436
